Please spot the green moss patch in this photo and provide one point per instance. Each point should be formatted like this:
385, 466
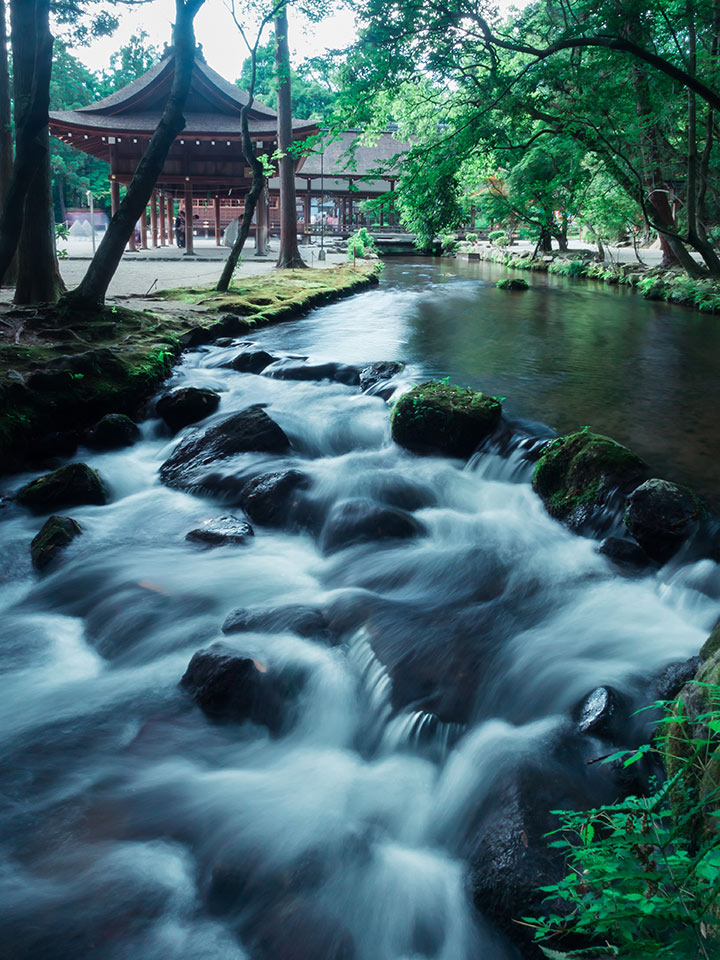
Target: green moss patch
579, 472
439, 417
61, 372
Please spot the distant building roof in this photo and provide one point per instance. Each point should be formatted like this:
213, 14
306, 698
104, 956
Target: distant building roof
212, 109
345, 156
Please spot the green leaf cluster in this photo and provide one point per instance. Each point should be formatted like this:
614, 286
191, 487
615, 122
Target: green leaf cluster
644, 873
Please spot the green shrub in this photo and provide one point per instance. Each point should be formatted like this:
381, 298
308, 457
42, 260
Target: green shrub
643, 872
360, 244
471, 237
448, 243
499, 238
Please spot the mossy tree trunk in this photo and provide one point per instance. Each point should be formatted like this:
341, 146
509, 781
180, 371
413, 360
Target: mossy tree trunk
289, 256
91, 292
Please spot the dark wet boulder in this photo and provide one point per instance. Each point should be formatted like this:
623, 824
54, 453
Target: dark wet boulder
512, 283
512, 860
436, 417
70, 486
599, 712
362, 521
375, 373
114, 431
232, 688
626, 553
249, 430
252, 361
273, 499
304, 620
221, 530
179, 408
55, 533
581, 476
672, 678
294, 370
662, 516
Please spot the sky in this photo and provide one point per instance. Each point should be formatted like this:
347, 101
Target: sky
222, 44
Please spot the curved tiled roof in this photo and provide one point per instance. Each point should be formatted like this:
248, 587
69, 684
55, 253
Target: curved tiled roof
126, 99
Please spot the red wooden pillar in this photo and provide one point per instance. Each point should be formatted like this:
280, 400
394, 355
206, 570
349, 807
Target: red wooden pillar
391, 212
153, 218
171, 220
216, 206
161, 215
143, 230
189, 249
306, 208
382, 215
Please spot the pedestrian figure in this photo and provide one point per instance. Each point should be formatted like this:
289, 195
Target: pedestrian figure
180, 229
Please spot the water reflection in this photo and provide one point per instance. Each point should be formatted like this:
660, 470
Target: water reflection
569, 353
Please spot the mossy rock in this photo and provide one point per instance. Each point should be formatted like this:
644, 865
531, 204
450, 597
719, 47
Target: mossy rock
72, 485
55, 533
512, 283
113, 431
436, 417
682, 734
712, 644
662, 516
579, 475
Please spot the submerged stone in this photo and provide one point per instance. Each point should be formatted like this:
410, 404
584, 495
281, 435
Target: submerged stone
627, 553
187, 405
436, 417
232, 688
252, 361
292, 370
362, 521
115, 430
249, 430
72, 485
661, 516
272, 499
579, 475
512, 283
299, 618
221, 530
375, 373
55, 533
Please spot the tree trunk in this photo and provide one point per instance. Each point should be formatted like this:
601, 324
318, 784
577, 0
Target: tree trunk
90, 294
258, 183
545, 241
32, 65
6, 142
38, 275
289, 256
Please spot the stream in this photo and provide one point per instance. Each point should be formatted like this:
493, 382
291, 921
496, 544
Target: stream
135, 828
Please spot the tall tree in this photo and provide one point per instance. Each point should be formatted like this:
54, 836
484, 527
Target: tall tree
32, 64
289, 256
247, 146
91, 291
6, 139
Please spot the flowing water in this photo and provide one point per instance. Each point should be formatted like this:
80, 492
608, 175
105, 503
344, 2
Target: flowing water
133, 827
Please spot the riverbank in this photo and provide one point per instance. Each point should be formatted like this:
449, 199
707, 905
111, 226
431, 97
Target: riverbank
653, 283
60, 374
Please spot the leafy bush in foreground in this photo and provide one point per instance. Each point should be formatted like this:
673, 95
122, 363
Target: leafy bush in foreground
644, 878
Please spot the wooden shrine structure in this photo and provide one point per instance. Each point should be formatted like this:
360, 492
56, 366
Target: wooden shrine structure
205, 171
205, 163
